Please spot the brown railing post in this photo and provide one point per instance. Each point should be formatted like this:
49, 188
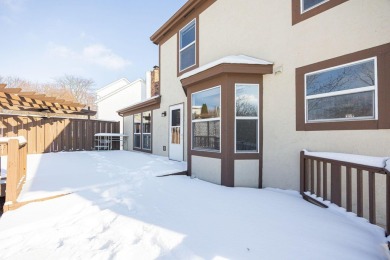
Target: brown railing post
335, 193
302, 172
12, 170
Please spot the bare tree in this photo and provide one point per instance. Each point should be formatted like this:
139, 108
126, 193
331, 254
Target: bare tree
80, 88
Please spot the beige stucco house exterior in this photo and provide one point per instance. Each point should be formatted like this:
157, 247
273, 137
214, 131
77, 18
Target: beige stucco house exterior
246, 85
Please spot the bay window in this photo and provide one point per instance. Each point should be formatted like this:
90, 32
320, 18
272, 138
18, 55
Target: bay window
246, 117
206, 119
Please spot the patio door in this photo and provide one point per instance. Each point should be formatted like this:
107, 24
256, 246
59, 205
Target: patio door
176, 142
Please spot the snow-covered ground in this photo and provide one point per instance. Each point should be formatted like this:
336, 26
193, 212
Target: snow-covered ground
119, 209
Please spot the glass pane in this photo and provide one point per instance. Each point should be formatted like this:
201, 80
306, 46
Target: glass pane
247, 100
187, 57
187, 35
343, 106
137, 123
310, 3
146, 122
137, 141
175, 117
146, 141
206, 104
175, 134
206, 135
347, 77
246, 135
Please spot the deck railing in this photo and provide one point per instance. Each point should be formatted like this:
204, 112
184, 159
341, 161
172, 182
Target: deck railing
359, 188
16, 169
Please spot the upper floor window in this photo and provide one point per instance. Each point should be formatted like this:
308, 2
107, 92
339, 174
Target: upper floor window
305, 9
310, 4
187, 46
345, 92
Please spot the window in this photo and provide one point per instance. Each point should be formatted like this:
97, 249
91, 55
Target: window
146, 130
348, 92
142, 131
187, 46
137, 131
247, 117
305, 9
310, 4
345, 92
206, 119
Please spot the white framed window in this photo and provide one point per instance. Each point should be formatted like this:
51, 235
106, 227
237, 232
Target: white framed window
206, 119
343, 93
146, 130
142, 131
137, 131
307, 5
187, 46
246, 118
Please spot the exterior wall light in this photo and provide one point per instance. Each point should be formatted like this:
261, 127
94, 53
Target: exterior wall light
164, 114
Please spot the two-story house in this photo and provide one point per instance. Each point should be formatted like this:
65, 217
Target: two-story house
246, 85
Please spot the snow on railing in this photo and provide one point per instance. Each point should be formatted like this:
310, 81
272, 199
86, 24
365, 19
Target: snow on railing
346, 180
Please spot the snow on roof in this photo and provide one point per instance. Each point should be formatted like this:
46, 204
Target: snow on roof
232, 59
379, 162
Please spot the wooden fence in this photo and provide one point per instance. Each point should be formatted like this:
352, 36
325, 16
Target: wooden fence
45, 135
356, 187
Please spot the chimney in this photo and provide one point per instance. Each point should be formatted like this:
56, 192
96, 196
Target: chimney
155, 88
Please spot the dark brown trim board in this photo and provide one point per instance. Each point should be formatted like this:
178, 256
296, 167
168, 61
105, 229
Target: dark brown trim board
150, 104
382, 53
185, 14
297, 16
227, 81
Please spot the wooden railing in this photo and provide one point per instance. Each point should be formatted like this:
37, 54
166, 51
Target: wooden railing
16, 169
362, 189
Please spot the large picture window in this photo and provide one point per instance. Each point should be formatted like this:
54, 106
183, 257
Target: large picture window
142, 131
206, 119
342, 93
187, 46
247, 117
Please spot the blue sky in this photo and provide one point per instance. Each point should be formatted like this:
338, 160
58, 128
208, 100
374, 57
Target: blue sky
99, 39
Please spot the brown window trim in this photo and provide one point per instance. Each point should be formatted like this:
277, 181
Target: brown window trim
151, 133
297, 16
382, 53
179, 73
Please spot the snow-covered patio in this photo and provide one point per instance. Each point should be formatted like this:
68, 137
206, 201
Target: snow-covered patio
119, 209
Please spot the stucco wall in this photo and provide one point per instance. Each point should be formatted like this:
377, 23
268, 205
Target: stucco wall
205, 168
263, 29
172, 93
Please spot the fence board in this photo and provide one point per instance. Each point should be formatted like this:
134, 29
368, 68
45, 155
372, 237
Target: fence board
46, 135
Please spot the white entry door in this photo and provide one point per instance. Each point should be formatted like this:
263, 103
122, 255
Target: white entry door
176, 144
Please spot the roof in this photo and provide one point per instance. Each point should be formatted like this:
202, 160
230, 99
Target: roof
116, 87
181, 14
233, 59
155, 100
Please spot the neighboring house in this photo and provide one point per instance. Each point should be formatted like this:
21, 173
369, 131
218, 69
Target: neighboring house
246, 85
117, 95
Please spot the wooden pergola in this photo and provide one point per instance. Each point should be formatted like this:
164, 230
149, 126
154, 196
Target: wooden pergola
16, 99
